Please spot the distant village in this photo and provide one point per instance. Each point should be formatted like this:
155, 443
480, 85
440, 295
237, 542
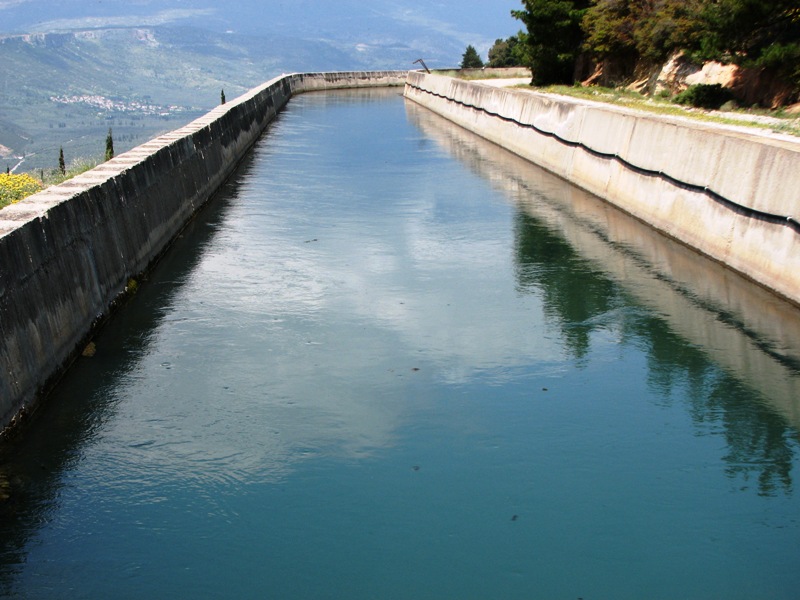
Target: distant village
107, 104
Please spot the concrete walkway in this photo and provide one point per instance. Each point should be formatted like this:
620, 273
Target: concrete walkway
504, 82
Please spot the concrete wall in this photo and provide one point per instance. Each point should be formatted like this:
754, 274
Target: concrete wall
730, 193
68, 252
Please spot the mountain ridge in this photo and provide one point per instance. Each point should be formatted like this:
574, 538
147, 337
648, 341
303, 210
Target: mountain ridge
48, 108
71, 70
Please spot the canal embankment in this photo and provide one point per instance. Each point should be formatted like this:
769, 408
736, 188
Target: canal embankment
67, 254
727, 192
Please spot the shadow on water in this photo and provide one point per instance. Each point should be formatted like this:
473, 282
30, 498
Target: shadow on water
732, 345
32, 465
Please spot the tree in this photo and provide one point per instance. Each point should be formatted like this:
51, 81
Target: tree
511, 52
62, 166
471, 59
222, 97
555, 37
610, 27
755, 33
764, 34
634, 30
109, 145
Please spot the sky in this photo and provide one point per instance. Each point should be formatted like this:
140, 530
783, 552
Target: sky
468, 21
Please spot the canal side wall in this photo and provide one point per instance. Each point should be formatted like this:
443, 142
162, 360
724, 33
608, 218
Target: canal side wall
729, 193
68, 253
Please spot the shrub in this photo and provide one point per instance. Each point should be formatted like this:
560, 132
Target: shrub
705, 95
76, 167
14, 188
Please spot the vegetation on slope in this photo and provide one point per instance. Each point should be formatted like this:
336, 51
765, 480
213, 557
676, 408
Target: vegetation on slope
566, 39
18, 186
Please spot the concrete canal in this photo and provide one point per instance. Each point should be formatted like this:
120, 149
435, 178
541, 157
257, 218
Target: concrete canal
392, 360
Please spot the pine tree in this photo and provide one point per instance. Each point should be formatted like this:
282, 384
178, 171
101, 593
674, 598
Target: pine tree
471, 59
555, 37
62, 166
510, 52
109, 145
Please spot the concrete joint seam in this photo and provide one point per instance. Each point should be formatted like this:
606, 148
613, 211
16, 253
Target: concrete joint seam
736, 207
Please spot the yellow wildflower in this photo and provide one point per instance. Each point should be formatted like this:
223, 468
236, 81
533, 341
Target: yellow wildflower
14, 188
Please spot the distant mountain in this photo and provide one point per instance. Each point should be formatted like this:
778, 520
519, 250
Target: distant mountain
67, 89
466, 21
71, 69
383, 33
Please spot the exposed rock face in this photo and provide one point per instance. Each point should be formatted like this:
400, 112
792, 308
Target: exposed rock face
675, 73
757, 86
749, 86
712, 73
607, 72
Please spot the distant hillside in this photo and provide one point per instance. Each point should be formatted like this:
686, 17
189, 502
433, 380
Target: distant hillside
67, 89
149, 66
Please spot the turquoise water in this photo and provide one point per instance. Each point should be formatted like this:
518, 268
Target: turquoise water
393, 361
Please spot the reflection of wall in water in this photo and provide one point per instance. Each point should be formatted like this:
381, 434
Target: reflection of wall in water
723, 191
590, 262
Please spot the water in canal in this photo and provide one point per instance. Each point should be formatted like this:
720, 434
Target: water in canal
393, 361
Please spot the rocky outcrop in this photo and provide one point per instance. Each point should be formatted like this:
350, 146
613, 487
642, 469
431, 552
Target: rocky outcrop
750, 86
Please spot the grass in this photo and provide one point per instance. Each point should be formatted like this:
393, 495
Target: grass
78, 166
775, 120
778, 121
475, 75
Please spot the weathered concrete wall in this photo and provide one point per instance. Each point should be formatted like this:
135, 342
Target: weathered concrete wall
67, 253
726, 192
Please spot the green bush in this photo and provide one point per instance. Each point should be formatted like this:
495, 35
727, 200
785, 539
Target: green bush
705, 95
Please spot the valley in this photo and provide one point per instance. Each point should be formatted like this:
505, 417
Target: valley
72, 70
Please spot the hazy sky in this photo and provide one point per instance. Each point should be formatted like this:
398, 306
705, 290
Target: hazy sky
462, 19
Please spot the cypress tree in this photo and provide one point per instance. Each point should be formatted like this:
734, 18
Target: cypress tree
109, 145
62, 166
222, 97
